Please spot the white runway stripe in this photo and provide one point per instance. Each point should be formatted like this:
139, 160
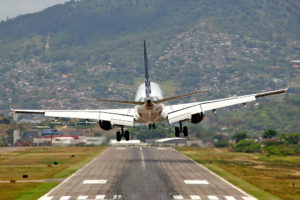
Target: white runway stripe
117, 197
177, 197
161, 148
121, 148
82, 197
249, 198
98, 197
213, 197
195, 197
65, 198
229, 198
94, 182
46, 198
196, 182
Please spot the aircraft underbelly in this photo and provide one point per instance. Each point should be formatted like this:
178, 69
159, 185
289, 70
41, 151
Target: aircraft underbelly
150, 115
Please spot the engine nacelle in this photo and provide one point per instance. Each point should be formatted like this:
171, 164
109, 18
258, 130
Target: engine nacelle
197, 118
105, 125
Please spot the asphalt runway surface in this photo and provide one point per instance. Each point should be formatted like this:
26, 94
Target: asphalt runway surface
140, 173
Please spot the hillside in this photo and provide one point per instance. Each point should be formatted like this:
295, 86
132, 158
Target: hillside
232, 47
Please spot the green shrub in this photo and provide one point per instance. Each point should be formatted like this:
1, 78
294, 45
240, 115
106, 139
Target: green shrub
221, 143
248, 146
281, 150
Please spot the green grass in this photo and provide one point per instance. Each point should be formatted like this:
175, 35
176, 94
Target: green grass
34, 162
266, 178
35, 192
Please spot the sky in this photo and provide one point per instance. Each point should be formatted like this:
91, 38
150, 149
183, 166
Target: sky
13, 8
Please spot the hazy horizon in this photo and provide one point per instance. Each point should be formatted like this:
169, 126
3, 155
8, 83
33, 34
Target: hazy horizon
14, 8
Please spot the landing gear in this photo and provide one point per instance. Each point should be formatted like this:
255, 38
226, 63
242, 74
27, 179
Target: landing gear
185, 131
180, 129
177, 131
118, 136
126, 135
122, 133
152, 126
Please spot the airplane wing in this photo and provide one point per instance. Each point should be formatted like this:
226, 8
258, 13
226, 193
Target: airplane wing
180, 112
122, 117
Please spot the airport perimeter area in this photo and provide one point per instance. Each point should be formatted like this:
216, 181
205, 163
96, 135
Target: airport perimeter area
121, 172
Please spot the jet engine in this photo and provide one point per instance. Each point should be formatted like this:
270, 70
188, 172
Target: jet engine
197, 118
105, 125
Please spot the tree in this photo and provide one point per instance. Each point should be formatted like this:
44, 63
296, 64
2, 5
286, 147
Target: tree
247, 146
240, 136
290, 138
269, 133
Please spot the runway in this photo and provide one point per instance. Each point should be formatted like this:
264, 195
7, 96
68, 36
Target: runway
139, 173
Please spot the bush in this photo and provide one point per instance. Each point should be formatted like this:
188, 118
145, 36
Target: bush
221, 143
247, 146
269, 133
281, 150
240, 136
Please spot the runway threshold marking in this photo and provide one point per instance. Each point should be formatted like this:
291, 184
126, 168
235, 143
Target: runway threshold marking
65, 198
196, 182
213, 197
46, 198
94, 182
230, 198
195, 197
178, 197
98, 197
82, 197
249, 198
117, 197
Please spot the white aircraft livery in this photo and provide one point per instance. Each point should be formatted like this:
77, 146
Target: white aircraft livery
149, 109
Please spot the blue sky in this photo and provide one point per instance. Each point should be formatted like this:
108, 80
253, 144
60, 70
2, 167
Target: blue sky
13, 8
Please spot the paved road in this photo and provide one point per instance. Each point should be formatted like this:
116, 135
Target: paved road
140, 173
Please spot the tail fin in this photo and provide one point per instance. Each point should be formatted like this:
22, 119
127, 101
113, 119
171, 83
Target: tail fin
147, 81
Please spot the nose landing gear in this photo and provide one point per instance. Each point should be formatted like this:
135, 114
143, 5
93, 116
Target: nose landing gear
152, 126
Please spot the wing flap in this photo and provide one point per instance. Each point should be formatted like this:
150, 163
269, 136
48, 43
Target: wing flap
121, 117
183, 114
226, 102
72, 114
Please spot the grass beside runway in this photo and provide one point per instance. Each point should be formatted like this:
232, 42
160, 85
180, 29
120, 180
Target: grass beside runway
37, 163
266, 178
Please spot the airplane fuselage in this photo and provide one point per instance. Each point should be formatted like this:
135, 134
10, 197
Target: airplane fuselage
149, 112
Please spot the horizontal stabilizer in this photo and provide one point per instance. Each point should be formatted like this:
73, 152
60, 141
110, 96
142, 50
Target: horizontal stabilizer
120, 101
156, 102
178, 97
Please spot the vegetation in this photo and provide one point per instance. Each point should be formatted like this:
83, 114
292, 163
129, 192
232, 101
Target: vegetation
282, 116
79, 36
34, 162
247, 146
263, 177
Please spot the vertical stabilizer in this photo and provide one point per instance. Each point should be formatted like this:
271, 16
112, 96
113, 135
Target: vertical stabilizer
147, 81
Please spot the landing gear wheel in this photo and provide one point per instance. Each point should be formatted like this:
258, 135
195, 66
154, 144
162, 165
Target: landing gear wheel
153, 126
118, 136
126, 135
177, 131
185, 131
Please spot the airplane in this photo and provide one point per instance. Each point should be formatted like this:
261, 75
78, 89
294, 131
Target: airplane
149, 108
